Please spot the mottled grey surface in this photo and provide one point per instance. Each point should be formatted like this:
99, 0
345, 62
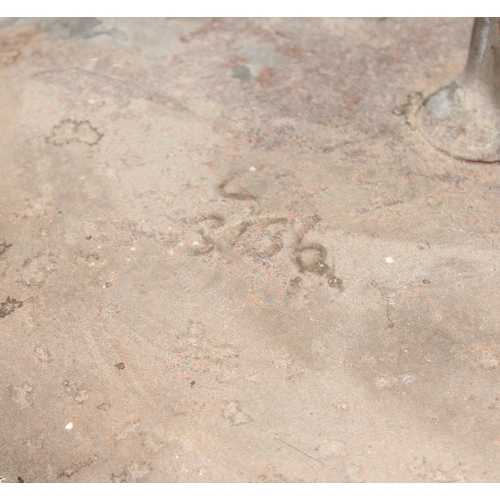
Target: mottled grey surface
226, 255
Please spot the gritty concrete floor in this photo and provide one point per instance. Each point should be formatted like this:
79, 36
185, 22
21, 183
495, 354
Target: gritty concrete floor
226, 254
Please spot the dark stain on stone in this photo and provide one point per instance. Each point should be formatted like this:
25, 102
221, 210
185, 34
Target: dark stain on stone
217, 219
333, 281
68, 130
9, 306
311, 258
74, 468
242, 72
70, 27
294, 285
120, 366
4, 246
241, 194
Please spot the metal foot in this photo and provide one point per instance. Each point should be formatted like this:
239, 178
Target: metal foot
463, 119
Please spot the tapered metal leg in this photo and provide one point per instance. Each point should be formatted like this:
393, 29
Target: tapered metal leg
463, 119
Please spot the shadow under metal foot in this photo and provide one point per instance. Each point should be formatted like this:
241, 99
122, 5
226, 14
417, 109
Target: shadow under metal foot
463, 119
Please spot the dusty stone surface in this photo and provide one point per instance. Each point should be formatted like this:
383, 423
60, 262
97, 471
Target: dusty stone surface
227, 255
